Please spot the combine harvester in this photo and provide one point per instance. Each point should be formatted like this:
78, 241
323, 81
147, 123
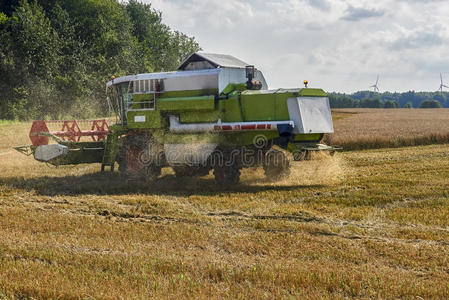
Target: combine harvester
214, 113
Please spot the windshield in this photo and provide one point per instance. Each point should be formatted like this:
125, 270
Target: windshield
124, 96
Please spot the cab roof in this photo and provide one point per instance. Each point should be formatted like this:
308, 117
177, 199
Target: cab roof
201, 60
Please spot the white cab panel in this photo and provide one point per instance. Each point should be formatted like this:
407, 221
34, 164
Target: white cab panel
310, 114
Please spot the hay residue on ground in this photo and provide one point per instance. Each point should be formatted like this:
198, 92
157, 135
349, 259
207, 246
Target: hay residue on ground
322, 169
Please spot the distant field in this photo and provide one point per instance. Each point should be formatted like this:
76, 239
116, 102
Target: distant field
382, 128
371, 224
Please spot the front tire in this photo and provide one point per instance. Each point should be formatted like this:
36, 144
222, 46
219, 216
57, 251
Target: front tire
136, 158
276, 165
227, 168
226, 175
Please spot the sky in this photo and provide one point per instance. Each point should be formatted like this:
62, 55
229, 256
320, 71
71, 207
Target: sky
337, 45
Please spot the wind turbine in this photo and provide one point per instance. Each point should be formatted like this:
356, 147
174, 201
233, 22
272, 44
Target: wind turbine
375, 86
442, 84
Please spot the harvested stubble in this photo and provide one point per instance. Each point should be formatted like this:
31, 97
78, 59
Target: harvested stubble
377, 228
357, 129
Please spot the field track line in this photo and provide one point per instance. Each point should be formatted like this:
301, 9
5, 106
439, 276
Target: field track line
237, 216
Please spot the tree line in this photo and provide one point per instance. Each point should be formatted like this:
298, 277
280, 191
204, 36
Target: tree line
410, 99
57, 55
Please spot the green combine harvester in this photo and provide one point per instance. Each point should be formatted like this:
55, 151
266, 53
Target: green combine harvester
214, 113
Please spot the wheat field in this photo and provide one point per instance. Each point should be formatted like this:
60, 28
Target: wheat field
365, 128
361, 224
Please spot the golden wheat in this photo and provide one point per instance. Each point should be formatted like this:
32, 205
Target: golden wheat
383, 128
371, 224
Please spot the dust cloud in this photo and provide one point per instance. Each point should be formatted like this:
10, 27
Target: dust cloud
322, 169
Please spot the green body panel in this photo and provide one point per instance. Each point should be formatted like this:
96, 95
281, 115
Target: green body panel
186, 103
271, 105
152, 119
258, 106
312, 93
281, 110
189, 93
231, 109
200, 117
234, 87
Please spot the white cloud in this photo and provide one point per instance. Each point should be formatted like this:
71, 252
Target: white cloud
340, 45
359, 13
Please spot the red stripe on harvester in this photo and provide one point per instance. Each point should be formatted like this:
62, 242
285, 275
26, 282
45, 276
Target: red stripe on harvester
226, 127
248, 127
269, 126
261, 126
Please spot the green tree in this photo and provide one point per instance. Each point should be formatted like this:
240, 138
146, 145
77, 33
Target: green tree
339, 101
408, 105
34, 40
8, 6
28, 53
430, 104
56, 55
372, 103
160, 48
391, 104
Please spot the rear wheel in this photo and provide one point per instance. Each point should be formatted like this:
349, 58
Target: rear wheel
276, 165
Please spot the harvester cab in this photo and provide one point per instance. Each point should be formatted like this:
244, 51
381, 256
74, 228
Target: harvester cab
214, 113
